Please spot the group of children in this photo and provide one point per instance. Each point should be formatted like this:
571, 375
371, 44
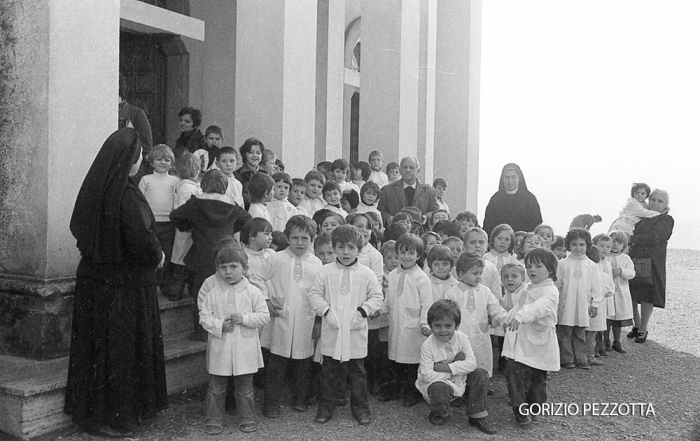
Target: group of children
317, 284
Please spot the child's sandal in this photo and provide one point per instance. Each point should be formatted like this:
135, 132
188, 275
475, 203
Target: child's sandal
248, 426
641, 337
212, 429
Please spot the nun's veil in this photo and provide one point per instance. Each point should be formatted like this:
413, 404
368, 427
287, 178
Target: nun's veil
96, 215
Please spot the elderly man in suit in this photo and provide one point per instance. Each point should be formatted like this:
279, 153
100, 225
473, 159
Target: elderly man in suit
407, 192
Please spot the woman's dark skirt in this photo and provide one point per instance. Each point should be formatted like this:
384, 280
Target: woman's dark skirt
116, 373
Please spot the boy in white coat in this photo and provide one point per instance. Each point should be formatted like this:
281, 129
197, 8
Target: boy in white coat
288, 336
476, 303
344, 293
531, 339
409, 295
231, 312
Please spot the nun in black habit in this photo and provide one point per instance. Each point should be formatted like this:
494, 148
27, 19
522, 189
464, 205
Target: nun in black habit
512, 204
116, 374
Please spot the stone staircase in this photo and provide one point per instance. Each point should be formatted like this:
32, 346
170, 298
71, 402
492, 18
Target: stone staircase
32, 392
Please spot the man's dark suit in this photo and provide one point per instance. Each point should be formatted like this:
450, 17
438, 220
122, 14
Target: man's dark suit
392, 198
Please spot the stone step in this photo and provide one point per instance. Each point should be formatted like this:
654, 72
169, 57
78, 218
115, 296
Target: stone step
32, 392
175, 316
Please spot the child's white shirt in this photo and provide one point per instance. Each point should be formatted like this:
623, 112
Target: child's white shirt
183, 191
364, 208
442, 205
346, 186
476, 305
237, 352
631, 213
280, 212
622, 297
440, 287
234, 191
380, 178
434, 351
159, 190
579, 287
500, 259
260, 268
312, 205
258, 209
409, 296
289, 335
535, 342
510, 299
335, 295
337, 210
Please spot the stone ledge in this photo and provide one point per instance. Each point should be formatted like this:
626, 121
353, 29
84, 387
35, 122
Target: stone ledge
15, 284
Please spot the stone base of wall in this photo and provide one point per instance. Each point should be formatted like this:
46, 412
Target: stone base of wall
35, 318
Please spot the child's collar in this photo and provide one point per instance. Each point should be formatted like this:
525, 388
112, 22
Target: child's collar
350, 266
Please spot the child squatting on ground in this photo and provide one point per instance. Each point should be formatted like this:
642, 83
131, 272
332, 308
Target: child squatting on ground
448, 369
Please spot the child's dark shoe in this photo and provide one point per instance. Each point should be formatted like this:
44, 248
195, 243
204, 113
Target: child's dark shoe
641, 337
300, 405
363, 419
633, 333
568, 365
248, 426
608, 346
584, 366
523, 421
617, 347
483, 424
322, 418
594, 362
271, 409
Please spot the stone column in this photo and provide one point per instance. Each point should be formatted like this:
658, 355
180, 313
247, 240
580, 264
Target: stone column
59, 76
276, 78
457, 82
389, 115
329, 80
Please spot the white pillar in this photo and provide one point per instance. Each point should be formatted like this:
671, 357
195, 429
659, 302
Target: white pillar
389, 107
458, 70
276, 78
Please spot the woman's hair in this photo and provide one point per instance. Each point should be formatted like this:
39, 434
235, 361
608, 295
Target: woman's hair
445, 309
187, 166
232, 252
440, 253
279, 240
259, 185
640, 186
253, 227
364, 168
545, 257
409, 242
315, 175
195, 114
578, 233
369, 186
248, 145
620, 236
498, 229
347, 234
214, 181
664, 194
301, 223
467, 261
467, 216
394, 231
159, 151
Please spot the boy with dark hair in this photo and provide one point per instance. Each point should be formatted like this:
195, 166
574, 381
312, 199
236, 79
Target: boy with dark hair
313, 199
339, 169
213, 136
377, 175
296, 195
332, 194
226, 161
445, 229
448, 369
440, 186
349, 201
344, 293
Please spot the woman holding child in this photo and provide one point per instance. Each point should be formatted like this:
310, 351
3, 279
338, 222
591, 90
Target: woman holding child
648, 249
116, 370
